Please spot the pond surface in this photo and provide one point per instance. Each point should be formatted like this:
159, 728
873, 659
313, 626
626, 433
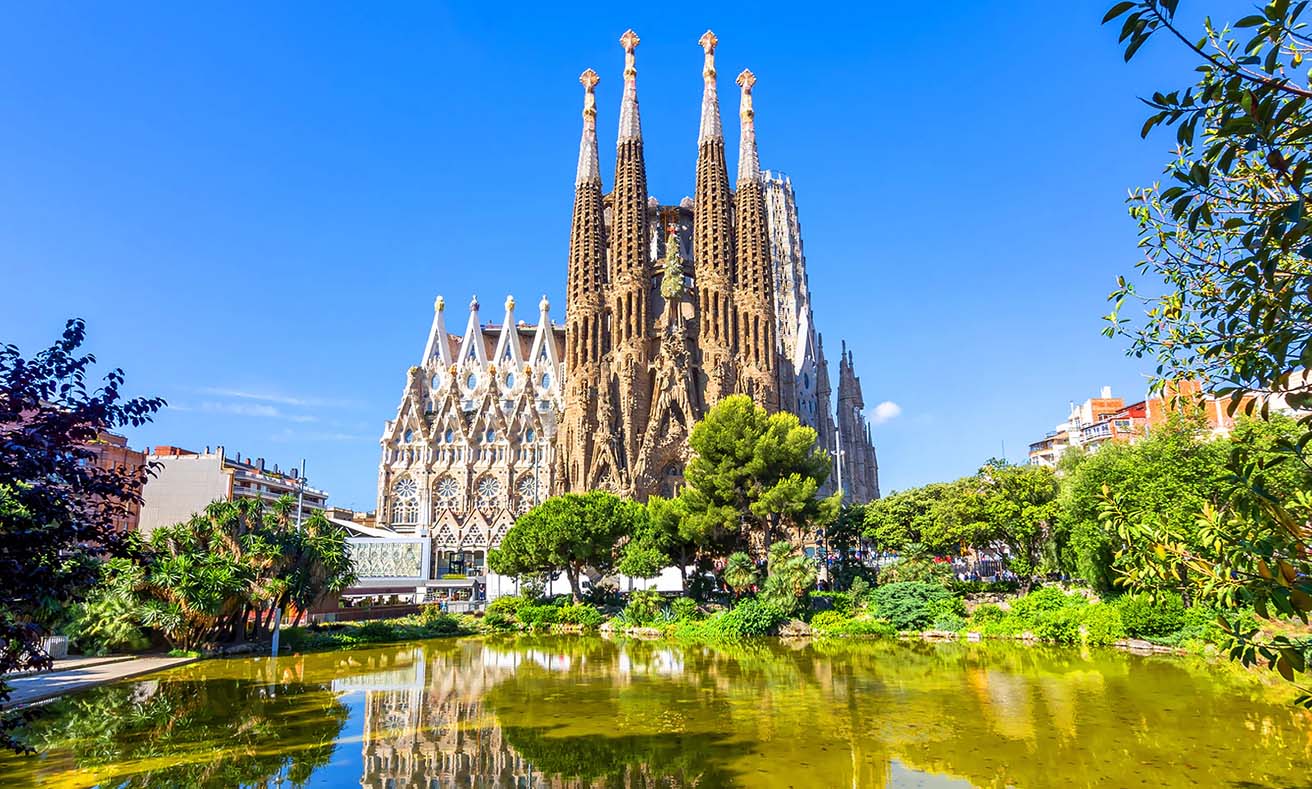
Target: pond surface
571, 711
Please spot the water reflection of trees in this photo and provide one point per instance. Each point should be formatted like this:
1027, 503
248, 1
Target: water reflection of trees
216, 733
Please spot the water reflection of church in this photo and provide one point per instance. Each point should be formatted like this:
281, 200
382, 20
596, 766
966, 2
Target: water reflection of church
425, 726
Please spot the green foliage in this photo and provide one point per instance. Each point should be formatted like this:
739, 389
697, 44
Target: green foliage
1060, 626
539, 616
907, 604
1144, 617
750, 618
826, 620
754, 471
108, 621
581, 614
1103, 624
568, 533
1225, 243
643, 608
838, 601
918, 569
740, 573
508, 605
988, 612
58, 506
684, 609
868, 627
792, 576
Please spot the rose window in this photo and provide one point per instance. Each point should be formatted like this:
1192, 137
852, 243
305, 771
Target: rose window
489, 494
445, 494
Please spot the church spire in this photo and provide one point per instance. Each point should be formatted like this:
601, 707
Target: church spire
630, 123
710, 127
749, 166
712, 242
754, 268
589, 170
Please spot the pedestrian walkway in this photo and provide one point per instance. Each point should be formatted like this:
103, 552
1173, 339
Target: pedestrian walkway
84, 673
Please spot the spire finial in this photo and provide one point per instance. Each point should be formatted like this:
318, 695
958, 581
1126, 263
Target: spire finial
630, 128
708, 42
439, 304
510, 303
749, 163
473, 303
544, 306
710, 128
589, 168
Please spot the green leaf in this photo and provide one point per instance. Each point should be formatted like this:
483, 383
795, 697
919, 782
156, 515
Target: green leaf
1117, 10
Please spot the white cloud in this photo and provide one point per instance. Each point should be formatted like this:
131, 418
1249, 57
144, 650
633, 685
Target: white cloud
277, 399
885, 411
253, 409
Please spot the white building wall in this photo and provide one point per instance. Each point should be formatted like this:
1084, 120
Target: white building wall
182, 486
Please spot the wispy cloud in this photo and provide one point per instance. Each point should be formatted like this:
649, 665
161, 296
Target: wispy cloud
276, 398
262, 410
287, 435
885, 411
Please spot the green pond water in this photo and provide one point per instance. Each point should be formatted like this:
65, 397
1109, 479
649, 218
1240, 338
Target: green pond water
581, 711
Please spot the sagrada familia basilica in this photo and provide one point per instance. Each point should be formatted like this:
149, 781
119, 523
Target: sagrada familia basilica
669, 309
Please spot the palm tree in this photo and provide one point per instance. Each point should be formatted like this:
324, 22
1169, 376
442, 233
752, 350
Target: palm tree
739, 573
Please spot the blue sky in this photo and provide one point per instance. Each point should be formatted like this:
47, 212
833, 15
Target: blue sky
254, 206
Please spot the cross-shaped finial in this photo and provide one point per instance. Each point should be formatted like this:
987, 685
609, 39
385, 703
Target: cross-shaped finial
708, 42
746, 80
589, 79
629, 40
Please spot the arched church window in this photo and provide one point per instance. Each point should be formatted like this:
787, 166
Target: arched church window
488, 494
510, 380
490, 436
450, 436
546, 380
405, 502
437, 380
527, 494
471, 381
409, 435
446, 494
530, 435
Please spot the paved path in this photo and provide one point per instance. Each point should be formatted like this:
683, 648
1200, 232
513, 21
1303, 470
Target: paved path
30, 688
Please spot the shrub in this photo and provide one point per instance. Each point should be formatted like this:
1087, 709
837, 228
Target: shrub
643, 608
1147, 618
1032, 606
1103, 625
497, 620
986, 613
863, 627
949, 622
539, 615
946, 607
581, 614
979, 587
906, 605
750, 618
1060, 626
508, 606
858, 590
372, 632
826, 620
837, 601
917, 569
684, 609
439, 624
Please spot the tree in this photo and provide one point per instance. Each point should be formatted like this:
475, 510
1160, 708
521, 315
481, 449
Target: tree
568, 533
58, 507
206, 580
1229, 237
1015, 505
929, 518
666, 536
740, 573
842, 537
753, 473
792, 575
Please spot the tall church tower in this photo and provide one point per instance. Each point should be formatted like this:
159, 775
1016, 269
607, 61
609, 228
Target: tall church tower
858, 464
712, 242
587, 457
630, 276
758, 374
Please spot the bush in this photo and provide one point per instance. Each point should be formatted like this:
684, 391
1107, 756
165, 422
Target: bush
858, 590
684, 609
508, 606
535, 616
1032, 606
750, 617
1147, 618
826, 620
986, 613
643, 608
837, 601
373, 632
917, 569
1060, 626
981, 587
949, 622
863, 627
498, 621
581, 614
437, 623
1103, 625
906, 605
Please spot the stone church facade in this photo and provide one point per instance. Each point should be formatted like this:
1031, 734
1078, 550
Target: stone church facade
669, 309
